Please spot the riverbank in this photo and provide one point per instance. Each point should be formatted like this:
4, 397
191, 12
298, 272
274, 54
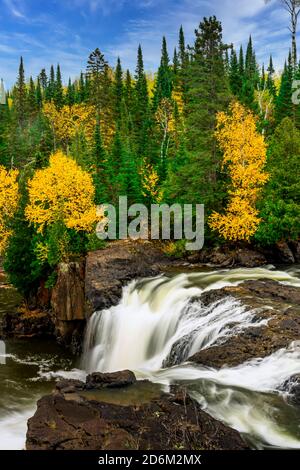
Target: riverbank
232, 324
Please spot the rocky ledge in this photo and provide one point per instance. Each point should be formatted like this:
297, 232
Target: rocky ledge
276, 303
90, 416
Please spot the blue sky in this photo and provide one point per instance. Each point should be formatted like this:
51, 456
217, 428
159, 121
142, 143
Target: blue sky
65, 31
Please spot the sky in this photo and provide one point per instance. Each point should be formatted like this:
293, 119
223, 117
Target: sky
66, 31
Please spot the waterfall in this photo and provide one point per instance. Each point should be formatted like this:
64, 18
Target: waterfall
161, 322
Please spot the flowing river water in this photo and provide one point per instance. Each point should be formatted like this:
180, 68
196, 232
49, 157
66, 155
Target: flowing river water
154, 329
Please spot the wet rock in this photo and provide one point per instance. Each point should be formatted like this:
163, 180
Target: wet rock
110, 380
70, 421
277, 304
68, 305
285, 253
292, 387
27, 324
108, 270
228, 257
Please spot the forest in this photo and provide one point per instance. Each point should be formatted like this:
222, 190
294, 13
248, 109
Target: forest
211, 126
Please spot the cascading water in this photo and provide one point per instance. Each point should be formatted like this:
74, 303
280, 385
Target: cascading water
161, 322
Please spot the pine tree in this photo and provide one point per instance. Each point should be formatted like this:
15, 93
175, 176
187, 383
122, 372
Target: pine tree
182, 49
241, 63
70, 95
251, 78
284, 105
175, 63
118, 92
99, 163
270, 78
208, 93
163, 84
96, 69
58, 91
50, 90
31, 98
43, 80
82, 91
141, 107
39, 94
20, 100
235, 78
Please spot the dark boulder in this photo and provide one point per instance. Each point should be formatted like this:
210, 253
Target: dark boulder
69, 420
110, 380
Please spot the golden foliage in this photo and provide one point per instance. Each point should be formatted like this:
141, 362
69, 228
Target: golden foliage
165, 116
70, 121
245, 156
9, 198
61, 192
150, 183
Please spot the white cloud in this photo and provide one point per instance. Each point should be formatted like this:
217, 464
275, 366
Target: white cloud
15, 8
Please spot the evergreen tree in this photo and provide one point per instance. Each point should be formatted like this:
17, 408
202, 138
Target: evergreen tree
175, 63
118, 92
284, 105
141, 107
50, 90
70, 95
96, 69
58, 90
270, 78
32, 105
182, 49
241, 63
163, 85
20, 95
208, 93
280, 204
39, 94
43, 80
235, 78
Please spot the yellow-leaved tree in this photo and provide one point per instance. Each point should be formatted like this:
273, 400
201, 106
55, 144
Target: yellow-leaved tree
9, 198
64, 193
244, 151
70, 121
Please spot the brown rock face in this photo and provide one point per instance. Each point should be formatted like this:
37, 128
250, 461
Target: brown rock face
283, 325
67, 419
107, 271
68, 304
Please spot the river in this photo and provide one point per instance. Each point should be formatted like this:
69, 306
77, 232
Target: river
153, 331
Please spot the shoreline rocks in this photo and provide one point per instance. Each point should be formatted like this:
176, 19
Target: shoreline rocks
71, 419
276, 303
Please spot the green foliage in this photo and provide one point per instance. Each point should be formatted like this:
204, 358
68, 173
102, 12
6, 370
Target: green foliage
280, 206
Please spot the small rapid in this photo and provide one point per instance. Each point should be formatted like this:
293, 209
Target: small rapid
161, 322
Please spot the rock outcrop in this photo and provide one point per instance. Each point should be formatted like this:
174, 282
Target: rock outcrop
107, 271
74, 418
276, 303
68, 304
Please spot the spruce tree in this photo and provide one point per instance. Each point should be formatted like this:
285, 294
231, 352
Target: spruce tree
199, 180
43, 80
20, 98
163, 84
39, 94
118, 93
235, 78
270, 78
141, 107
58, 90
284, 105
96, 69
31, 98
50, 90
70, 95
